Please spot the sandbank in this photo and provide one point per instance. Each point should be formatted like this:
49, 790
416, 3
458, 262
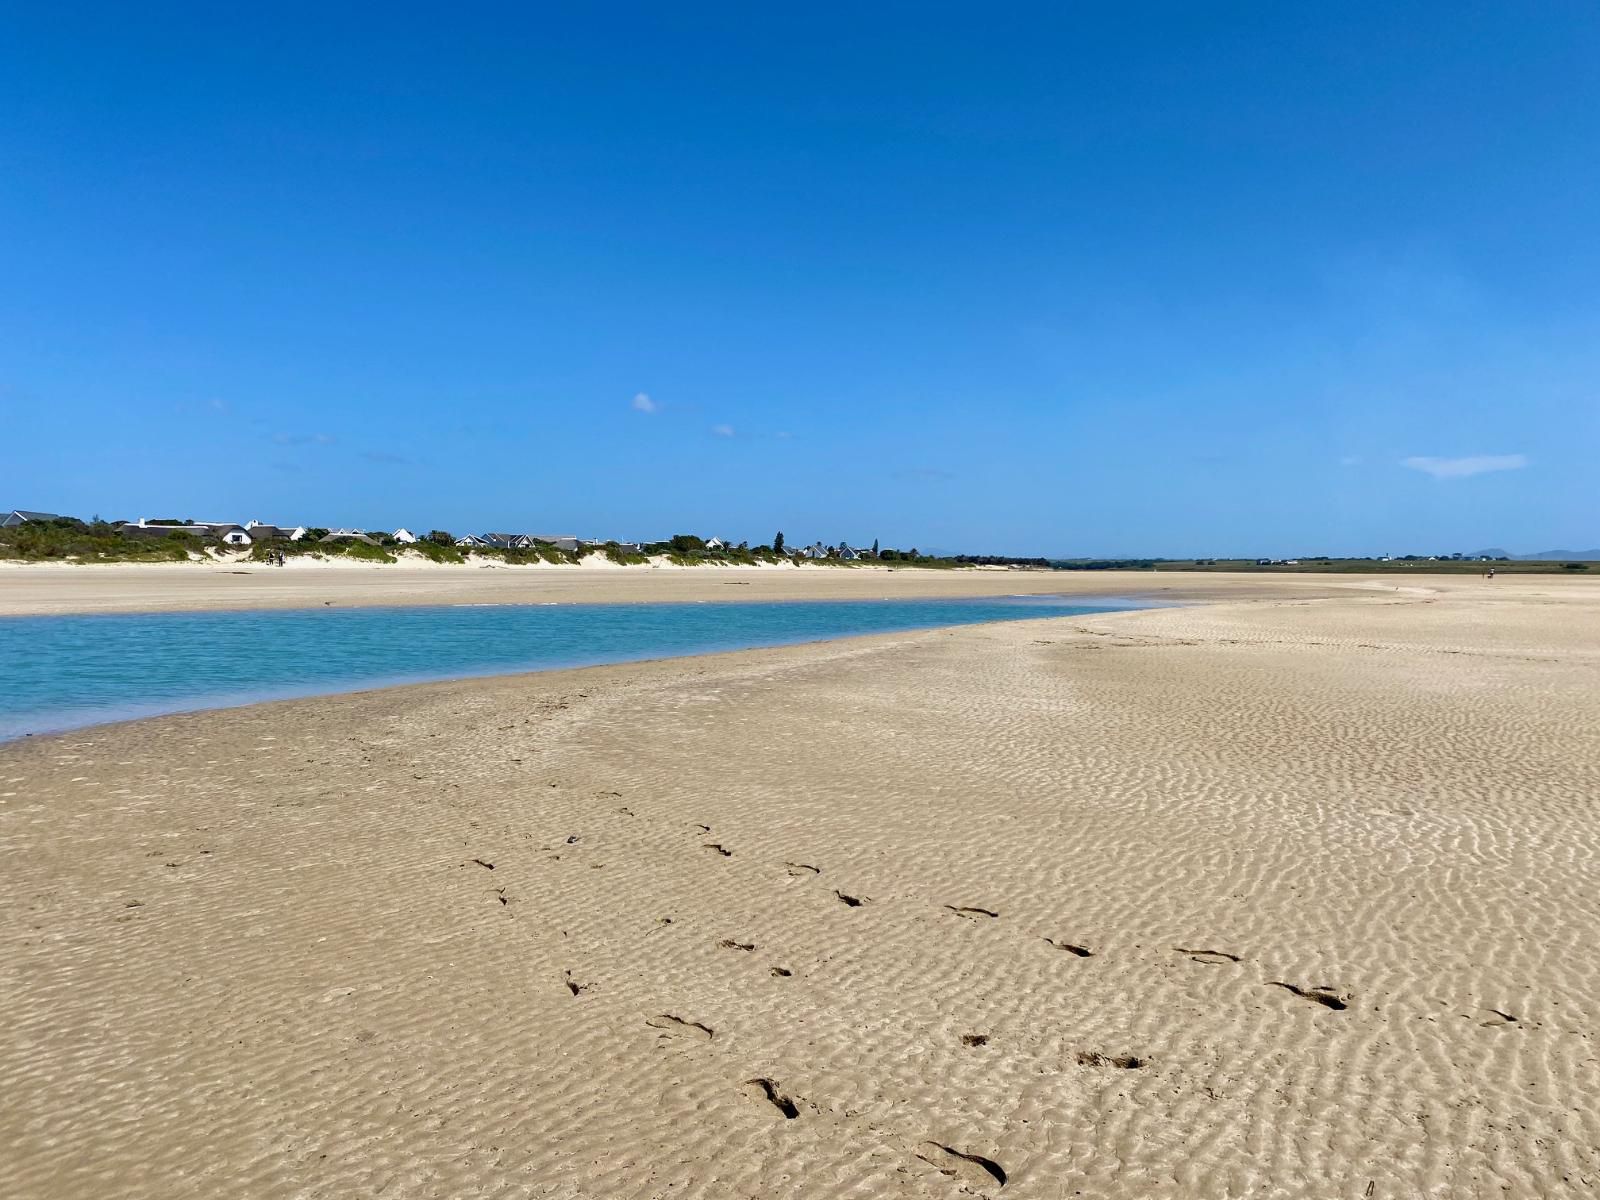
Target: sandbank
52, 589
1292, 896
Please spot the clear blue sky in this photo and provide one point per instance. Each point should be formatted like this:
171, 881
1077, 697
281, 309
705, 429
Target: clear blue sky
1068, 279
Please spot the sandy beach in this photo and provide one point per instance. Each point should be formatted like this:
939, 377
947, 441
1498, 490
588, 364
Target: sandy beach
54, 589
1291, 893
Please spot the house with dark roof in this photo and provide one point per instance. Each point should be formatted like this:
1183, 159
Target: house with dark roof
262, 532
21, 516
527, 541
508, 541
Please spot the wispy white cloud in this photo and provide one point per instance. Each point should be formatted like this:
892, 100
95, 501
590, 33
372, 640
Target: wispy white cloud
1460, 468
643, 403
1350, 460
722, 430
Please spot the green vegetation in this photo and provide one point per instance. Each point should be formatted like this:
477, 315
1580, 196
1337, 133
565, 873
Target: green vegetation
68, 539
436, 551
306, 548
686, 550
360, 550
540, 552
623, 558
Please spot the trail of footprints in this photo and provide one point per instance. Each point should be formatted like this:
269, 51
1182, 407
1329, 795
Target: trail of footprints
972, 1170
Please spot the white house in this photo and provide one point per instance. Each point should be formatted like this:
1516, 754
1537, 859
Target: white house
404, 536
472, 539
233, 535
716, 543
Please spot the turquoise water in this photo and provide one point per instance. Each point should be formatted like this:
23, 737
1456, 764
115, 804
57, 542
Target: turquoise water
64, 672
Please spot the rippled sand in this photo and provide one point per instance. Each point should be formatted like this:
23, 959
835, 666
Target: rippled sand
1287, 898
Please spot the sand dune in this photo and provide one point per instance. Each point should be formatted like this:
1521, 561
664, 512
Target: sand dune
1281, 897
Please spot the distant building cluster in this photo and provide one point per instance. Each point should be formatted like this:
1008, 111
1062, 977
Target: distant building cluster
250, 533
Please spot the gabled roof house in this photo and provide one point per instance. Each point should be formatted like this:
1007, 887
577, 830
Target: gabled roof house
21, 516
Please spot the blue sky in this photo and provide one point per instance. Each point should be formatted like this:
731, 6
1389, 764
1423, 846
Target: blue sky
1066, 279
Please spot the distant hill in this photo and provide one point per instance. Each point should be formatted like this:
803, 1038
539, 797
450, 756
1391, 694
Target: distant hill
1544, 555
1553, 555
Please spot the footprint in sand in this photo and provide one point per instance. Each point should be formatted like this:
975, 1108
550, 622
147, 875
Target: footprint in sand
719, 848
1070, 948
800, 870
851, 901
974, 1039
1123, 1062
676, 1027
1502, 1019
971, 1170
1210, 957
972, 914
730, 944
766, 1091
573, 986
1324, 996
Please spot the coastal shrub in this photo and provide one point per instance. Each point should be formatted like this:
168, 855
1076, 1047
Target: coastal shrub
436, 551
68, 539
360, 550
621, 557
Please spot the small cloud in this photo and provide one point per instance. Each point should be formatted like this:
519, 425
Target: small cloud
1460, 468
722, 430
303, 439
215, 405
643, 403
383, 456
785, 435
1350, 460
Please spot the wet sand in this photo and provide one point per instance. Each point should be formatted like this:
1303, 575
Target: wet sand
1287, 897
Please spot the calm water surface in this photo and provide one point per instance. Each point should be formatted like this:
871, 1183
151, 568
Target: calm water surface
63, 672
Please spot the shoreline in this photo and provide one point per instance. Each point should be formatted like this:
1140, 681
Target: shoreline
214, 701
52, 589
1291, 895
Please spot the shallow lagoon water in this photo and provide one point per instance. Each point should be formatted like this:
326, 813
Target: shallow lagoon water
64, 672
